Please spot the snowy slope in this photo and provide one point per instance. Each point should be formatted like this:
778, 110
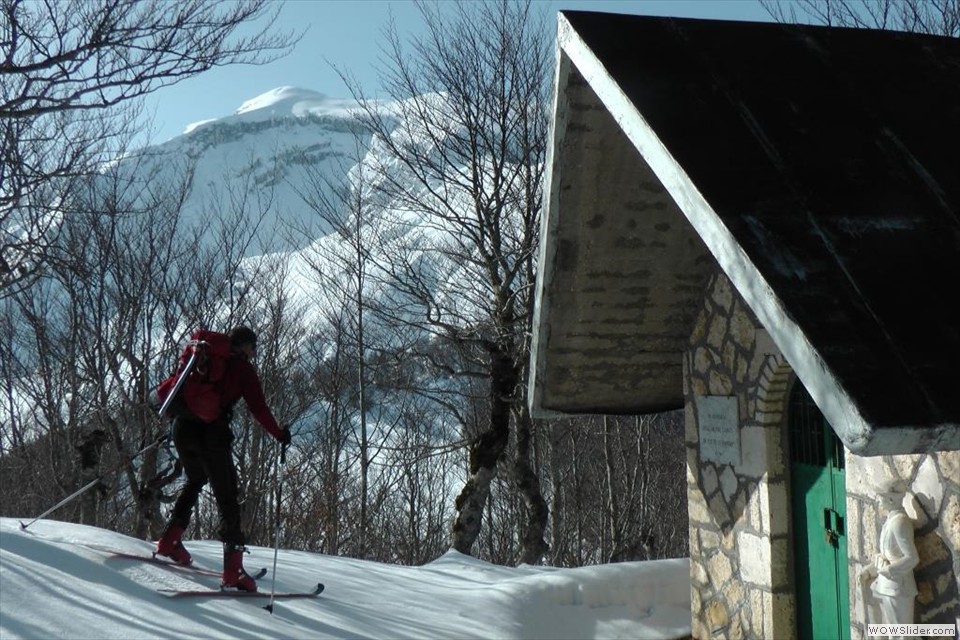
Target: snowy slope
254, 159
57, 581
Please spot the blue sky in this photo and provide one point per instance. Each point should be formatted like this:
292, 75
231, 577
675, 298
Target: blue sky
348, 34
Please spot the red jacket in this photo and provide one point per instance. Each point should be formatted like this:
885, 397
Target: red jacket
240, 380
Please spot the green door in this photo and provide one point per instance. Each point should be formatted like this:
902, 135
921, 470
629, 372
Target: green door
818, 499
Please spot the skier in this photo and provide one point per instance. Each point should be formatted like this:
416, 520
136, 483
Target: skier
205, 452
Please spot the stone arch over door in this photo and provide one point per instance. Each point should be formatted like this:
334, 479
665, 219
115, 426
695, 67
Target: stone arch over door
776, 385
742, 582
773, 383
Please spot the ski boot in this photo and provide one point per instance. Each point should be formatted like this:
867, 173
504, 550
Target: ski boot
234, 577
170, 546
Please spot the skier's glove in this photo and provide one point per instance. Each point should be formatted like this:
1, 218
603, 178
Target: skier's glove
285, 436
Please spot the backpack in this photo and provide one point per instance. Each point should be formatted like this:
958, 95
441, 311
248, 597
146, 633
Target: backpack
202, 367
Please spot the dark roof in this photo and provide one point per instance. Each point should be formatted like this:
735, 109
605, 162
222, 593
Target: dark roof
818, 167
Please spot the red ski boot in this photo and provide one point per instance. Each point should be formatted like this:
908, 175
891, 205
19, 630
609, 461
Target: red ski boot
234, 577
171, 547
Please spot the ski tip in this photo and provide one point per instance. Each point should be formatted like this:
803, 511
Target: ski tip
319, 589
23, 527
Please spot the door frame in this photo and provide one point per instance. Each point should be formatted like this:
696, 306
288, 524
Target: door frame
838, 517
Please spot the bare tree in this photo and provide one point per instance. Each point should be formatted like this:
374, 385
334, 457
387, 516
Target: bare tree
463, 151
937, 17
70, 74
128, 274
419, 519
324, 481
617, 489
87, 334
340, 264
269, 306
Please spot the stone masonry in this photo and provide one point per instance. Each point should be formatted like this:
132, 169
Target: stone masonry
933, 502
740, 541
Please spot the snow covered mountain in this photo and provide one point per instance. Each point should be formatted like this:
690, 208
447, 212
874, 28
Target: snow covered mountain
280, 147
252, 162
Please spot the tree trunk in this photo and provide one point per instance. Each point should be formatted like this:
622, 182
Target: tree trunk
557, 503
647, 515
91, 451
613, 508
534, 545
485, 454
362, 392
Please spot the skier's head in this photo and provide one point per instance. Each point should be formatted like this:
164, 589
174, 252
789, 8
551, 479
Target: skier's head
243, 336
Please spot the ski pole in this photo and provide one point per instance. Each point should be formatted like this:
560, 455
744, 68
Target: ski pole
95, 481
276, 529
176, 388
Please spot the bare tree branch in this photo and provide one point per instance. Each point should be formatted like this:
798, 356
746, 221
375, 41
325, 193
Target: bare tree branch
935, 17
70, 75
461, 151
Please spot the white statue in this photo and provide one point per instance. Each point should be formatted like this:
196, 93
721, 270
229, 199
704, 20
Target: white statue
890, 577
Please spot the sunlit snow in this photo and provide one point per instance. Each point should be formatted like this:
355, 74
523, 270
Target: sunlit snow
58, 580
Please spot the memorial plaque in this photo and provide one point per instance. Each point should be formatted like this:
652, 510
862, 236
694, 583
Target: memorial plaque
719, 423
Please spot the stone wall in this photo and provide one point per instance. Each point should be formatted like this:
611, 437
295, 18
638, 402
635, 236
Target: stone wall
739, 546
934, 505
740, 554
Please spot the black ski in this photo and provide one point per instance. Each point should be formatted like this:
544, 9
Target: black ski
233, 593
178, 567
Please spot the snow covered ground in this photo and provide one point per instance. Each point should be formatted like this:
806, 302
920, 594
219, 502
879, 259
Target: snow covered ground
58, 580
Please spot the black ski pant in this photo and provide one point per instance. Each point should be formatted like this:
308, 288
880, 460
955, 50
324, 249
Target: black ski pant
206, 455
